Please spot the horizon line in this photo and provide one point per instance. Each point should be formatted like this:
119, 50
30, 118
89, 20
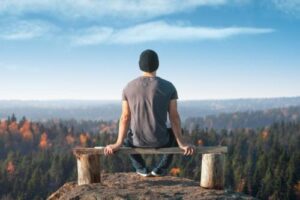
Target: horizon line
204, 99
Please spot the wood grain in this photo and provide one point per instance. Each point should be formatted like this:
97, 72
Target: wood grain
171, 150
212, 171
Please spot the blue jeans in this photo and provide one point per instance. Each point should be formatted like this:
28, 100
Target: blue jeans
164, 163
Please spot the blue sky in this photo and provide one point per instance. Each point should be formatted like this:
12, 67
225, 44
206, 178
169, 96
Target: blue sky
209, 49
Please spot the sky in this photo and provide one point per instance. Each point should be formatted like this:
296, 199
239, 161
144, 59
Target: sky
89, 49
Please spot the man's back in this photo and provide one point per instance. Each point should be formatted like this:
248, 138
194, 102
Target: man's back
145, 106
148, 99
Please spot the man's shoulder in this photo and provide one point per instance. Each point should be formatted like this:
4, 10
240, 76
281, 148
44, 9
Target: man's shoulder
166, 82
133, 81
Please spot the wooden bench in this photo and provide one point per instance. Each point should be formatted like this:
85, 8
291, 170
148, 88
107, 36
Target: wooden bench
212, 169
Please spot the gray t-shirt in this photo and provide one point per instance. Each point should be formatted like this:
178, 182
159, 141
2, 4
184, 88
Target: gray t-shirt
148, 99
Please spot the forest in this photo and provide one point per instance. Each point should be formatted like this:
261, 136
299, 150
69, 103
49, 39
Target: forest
263, 160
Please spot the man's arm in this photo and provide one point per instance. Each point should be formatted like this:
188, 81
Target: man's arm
176, 127
123, 128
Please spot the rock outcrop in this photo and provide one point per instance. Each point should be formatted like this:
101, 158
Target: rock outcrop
132, 186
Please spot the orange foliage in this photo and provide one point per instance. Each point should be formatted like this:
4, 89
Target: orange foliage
10, 168
70, 139
26, 126
200, 142
84, 137
44, 141
297, 190
175, 171
265, 134
13, 127
25, 130
3, 126
27, 135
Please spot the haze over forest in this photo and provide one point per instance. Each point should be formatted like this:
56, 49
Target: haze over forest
110, 110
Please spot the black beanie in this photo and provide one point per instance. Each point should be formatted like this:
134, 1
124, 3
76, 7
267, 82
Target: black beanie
148, 61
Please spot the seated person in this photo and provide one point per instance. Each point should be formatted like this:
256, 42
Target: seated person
147, 101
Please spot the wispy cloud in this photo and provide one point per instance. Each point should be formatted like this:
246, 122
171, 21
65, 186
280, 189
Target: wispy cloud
102, 13
24, 30
128, 9
160, 31
99, 8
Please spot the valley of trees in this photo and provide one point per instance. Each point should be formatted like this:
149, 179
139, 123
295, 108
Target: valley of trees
250, 119
36, 157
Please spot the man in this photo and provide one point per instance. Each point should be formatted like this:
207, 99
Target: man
147, 100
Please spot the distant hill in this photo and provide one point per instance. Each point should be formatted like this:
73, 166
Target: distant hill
110, 110
246, 119
201, 108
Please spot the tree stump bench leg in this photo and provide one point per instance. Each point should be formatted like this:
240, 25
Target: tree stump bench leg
88, 168
212, 171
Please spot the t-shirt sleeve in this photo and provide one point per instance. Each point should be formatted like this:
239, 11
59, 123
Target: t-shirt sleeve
124, 96
174, 94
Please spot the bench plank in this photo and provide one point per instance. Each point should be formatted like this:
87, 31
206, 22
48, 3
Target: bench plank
170, 150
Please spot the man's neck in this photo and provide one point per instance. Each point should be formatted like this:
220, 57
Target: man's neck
149, 74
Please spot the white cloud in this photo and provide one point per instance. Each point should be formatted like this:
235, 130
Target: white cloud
160, 31
128, 9
99, 8
146, 32
131, 11
24, 30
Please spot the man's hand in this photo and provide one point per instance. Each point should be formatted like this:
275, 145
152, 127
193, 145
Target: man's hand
110, 149
188, 149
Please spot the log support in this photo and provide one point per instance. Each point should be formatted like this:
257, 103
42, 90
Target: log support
212, 171
88, 168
